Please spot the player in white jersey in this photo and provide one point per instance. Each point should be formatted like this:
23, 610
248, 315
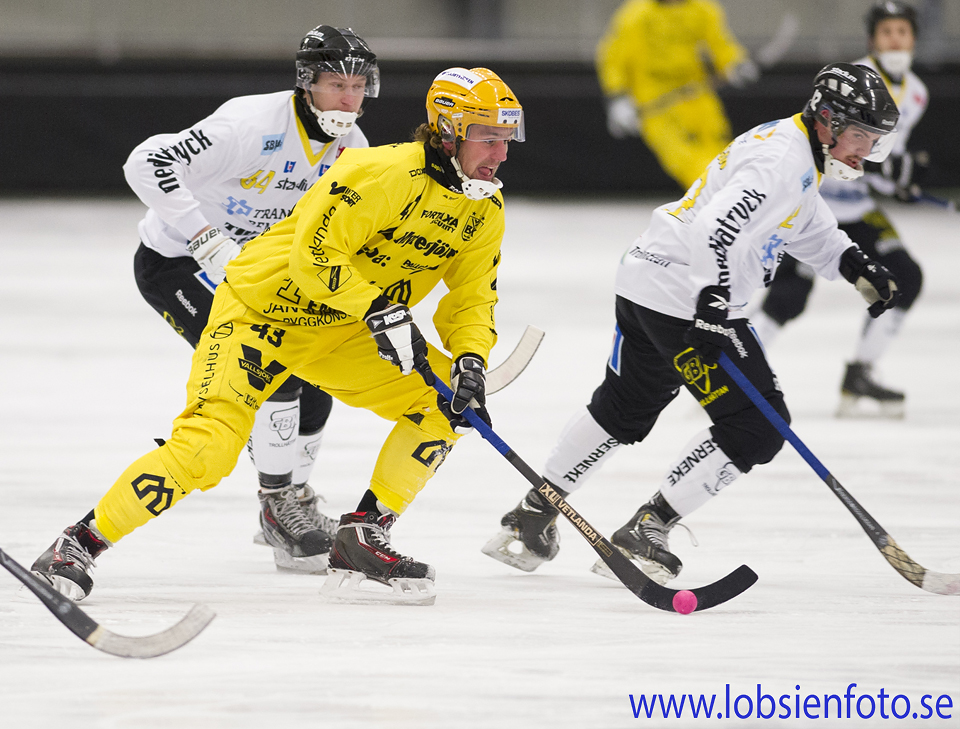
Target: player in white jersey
220, 183
681, 291
891, 29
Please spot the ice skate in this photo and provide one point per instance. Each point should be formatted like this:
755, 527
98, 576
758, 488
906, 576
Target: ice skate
861, 396
529, 537
284, 560
68, 564
365, 569
645, 539
298, 544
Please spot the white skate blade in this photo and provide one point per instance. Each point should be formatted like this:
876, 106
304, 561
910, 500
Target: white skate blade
506, 548
654, 571
258, 538
70, 590
316, 565
347, 587
853, 406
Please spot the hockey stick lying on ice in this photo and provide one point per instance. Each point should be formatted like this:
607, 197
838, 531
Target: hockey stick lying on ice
501, 376
638, 583
937, 582
87, 629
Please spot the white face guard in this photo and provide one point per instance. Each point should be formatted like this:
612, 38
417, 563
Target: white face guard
475, 189
837, 170
896, 63
335, 123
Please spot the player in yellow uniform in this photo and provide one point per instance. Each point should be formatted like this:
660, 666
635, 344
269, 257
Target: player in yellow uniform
372, 238
652, 70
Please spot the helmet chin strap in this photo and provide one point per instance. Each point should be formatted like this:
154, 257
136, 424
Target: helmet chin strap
837, 170
335, 123
475, 189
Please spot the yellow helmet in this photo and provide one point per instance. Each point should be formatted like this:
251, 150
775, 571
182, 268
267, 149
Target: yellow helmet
473, 104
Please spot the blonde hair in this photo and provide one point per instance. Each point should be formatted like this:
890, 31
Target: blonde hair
424, 133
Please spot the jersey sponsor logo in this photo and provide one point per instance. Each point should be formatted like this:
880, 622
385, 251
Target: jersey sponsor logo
417, 172
271, 143
223, 331
444, 101
399, 292
807, 180
374, 254
271, 213
698, 453
409, 265
442, 220
730, 225
642, 255
237, 207
470, 228
431, 452
186, 149
336, 276
321, 169
148, 485
428, 248
509, 116
463, 78
350, 197
257, 375
288, 184
288, 166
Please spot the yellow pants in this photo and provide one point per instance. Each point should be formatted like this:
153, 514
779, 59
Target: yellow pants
686, 136
240, 361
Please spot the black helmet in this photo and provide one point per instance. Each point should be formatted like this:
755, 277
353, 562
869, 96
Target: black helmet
846, 93
336, 50
885, 9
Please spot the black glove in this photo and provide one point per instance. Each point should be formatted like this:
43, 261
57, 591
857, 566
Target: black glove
468, 382
874, 282
709, 334
906, 172
399, 340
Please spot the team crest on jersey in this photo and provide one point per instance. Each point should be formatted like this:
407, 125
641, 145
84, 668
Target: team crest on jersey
470, 228
257, 375
271, 143
147, 485
693, 370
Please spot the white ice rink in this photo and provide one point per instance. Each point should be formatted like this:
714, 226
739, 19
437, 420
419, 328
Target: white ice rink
92, 375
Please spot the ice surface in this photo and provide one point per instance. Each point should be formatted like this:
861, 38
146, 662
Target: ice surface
92, 375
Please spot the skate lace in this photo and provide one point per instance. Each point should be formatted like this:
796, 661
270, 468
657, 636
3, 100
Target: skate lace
71, 550
377, 534
657, 532
289, 514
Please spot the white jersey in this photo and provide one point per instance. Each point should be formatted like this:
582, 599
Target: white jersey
757, 200
851, 201
241, 169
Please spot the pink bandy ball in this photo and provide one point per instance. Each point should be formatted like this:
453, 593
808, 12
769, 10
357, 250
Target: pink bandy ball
684, 602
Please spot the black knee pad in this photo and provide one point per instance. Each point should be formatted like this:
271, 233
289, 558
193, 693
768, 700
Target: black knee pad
788, 295
748, 437
909, 276
315, 406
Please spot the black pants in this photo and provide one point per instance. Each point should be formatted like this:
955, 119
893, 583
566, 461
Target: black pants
650, 363
171, 287
876, 236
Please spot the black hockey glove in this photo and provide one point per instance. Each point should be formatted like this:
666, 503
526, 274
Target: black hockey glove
906, 172
874, 282
709, 334
399, 340
468, 382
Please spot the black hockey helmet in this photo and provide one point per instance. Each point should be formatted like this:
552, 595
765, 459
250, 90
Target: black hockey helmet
885, 9
845, 94
326, 49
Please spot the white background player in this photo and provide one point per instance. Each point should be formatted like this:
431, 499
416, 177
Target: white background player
681, 291
213, 187
891, 30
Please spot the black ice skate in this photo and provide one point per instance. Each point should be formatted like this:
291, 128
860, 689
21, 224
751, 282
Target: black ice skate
68, 564
285, 560
298, 545
362, 554
645, 539
862, 396
529, 537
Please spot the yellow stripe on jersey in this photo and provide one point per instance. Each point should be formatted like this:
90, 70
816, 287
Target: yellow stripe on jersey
314, 159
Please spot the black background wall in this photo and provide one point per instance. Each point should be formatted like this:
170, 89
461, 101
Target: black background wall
67, 126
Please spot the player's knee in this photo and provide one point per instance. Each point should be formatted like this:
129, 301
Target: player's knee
748, 438
909, 281
616, 417
201, 452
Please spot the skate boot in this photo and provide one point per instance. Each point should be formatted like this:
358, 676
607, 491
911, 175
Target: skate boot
645, 539
862, 396
67, 566
298, 545
529, 537
284, 560
362, 560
